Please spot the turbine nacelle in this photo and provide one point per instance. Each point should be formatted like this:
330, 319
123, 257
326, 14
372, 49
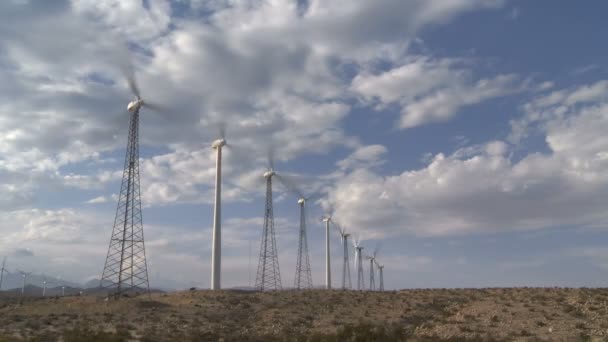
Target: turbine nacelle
302, 201
135, 105
269, 174
326, 219
219, 143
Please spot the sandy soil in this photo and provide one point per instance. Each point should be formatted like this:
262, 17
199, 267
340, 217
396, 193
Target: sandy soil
520, 314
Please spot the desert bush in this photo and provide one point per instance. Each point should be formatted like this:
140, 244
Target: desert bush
85, 334
368, 332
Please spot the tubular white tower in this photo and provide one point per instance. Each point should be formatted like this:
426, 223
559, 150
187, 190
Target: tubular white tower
372, 283
381, 274
327, 254
216, 253
359, 266
44, 288
24, 275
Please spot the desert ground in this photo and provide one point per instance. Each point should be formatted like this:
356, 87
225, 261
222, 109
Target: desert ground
497, 314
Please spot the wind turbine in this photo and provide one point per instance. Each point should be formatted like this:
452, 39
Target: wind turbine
303, 278
381, 275
327, 220
44, 288
2, 271
346, 281
359, 264
126, 268
372, 260
216, 253
268, 276
24, 275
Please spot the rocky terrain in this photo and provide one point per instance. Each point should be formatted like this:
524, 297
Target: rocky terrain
510, 314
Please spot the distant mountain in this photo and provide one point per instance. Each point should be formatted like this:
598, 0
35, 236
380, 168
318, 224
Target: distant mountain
242, 288
14, 280
94, 283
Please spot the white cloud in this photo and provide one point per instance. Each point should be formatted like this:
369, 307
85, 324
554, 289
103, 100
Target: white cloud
96, 200
430, 90
61, 62
365, 156
483, 189
272, 71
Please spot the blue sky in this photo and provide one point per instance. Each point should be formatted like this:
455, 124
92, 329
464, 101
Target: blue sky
464, 137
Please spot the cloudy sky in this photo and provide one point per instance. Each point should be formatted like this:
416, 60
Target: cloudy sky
466, 138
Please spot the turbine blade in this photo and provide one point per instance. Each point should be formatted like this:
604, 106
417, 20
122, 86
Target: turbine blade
339, 228
155, 107
221, 127
291, 187
128, 71
270, 157
377, 249
315, 196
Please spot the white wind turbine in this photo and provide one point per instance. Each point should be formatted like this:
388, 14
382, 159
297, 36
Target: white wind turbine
327, 220
359, 264
381, 276
24, 275
216, 248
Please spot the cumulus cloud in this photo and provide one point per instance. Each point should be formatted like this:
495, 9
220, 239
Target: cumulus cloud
483, 188
430, 90
270, 70
277, 73
96, 200
364, 156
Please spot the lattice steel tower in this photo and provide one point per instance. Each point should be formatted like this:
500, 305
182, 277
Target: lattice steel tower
303, 274
346, 281
125, 270
2, 271
372, 282
268, 276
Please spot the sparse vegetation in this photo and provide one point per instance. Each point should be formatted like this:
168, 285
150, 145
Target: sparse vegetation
319, 315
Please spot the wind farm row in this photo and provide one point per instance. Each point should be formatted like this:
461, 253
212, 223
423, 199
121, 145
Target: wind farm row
126, 269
